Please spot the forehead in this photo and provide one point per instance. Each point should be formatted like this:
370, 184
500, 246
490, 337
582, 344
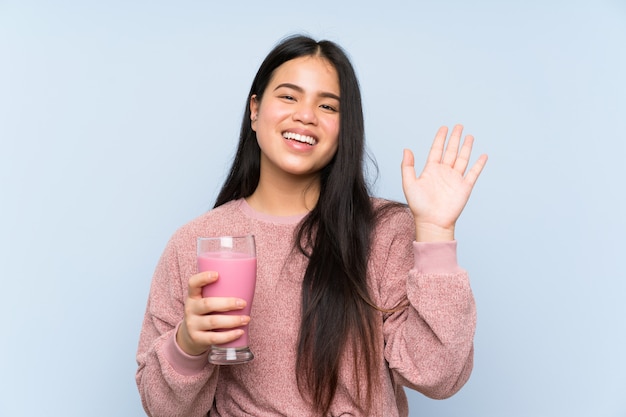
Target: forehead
308, 72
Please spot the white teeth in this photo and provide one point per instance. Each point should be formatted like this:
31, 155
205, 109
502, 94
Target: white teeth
299, 138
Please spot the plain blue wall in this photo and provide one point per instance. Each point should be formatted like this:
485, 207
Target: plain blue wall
118, 120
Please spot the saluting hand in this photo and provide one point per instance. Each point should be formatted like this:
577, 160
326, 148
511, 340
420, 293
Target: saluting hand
437, 197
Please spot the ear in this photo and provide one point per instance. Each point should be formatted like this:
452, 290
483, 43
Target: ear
254, 110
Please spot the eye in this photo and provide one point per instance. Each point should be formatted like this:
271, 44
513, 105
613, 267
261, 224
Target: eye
329, 108
287, 97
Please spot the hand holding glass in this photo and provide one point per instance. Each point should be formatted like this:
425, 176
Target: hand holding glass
234, 259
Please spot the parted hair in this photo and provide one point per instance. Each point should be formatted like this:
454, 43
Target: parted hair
338, 315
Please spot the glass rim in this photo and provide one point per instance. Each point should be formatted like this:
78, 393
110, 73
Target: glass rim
226, 236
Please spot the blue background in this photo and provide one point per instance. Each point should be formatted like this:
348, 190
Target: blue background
118, 121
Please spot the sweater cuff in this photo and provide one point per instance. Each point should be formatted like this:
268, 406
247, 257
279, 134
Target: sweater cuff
436, 257
183, 363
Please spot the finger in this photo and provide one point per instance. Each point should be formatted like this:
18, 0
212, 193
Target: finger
408, 164
218, 338
222, 304
221, 322
198, 341
196, 282
208, 305
452, 149
463, 159
476, 169
436, 150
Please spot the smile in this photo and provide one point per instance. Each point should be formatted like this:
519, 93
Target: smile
299, 138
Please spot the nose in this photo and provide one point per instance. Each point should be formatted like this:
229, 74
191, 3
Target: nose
305, 113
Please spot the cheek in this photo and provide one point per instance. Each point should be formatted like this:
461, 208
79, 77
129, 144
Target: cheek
333, 146
273, 110
332, 129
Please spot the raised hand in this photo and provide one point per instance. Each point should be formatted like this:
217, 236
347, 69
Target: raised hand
438, 195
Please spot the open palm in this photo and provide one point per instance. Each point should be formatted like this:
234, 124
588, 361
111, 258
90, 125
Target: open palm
438, 195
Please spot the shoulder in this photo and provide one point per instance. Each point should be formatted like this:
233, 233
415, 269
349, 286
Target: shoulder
392, 219
212, 223
178, 258
391, 251
393, 234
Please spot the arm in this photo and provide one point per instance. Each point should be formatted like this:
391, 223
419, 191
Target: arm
429, 342
170, 382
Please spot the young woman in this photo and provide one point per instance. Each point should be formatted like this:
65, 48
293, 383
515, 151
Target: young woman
356, 297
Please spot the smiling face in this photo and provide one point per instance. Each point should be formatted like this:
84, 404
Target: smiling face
297, 119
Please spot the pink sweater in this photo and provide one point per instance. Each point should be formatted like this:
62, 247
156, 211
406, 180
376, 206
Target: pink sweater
428, 346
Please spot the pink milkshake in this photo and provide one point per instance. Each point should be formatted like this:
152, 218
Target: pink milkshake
237, 278
234, 259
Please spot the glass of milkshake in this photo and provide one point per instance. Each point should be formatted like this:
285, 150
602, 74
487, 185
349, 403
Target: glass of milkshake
234, 259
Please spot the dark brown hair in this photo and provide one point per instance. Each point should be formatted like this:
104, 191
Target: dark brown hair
337, 312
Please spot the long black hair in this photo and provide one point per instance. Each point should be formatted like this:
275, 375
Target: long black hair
338, 315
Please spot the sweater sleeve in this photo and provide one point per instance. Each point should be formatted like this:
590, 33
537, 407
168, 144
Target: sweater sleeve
170, 382
429, 337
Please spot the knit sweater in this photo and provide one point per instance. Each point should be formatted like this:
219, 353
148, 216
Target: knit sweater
426, 345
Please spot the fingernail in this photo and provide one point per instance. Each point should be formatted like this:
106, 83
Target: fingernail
240, 303
245, 319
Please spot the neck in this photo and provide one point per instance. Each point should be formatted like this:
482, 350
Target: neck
285, 195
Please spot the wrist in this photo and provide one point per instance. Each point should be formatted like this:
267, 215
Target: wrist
433, 233
181, 361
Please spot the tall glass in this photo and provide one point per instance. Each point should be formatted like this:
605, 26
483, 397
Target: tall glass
234, 259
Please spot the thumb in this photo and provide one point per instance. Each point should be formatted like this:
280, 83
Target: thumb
196, 282
408, 165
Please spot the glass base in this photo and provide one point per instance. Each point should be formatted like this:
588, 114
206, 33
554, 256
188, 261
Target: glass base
230, 356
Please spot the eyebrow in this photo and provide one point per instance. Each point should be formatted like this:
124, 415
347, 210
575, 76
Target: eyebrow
301, 90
